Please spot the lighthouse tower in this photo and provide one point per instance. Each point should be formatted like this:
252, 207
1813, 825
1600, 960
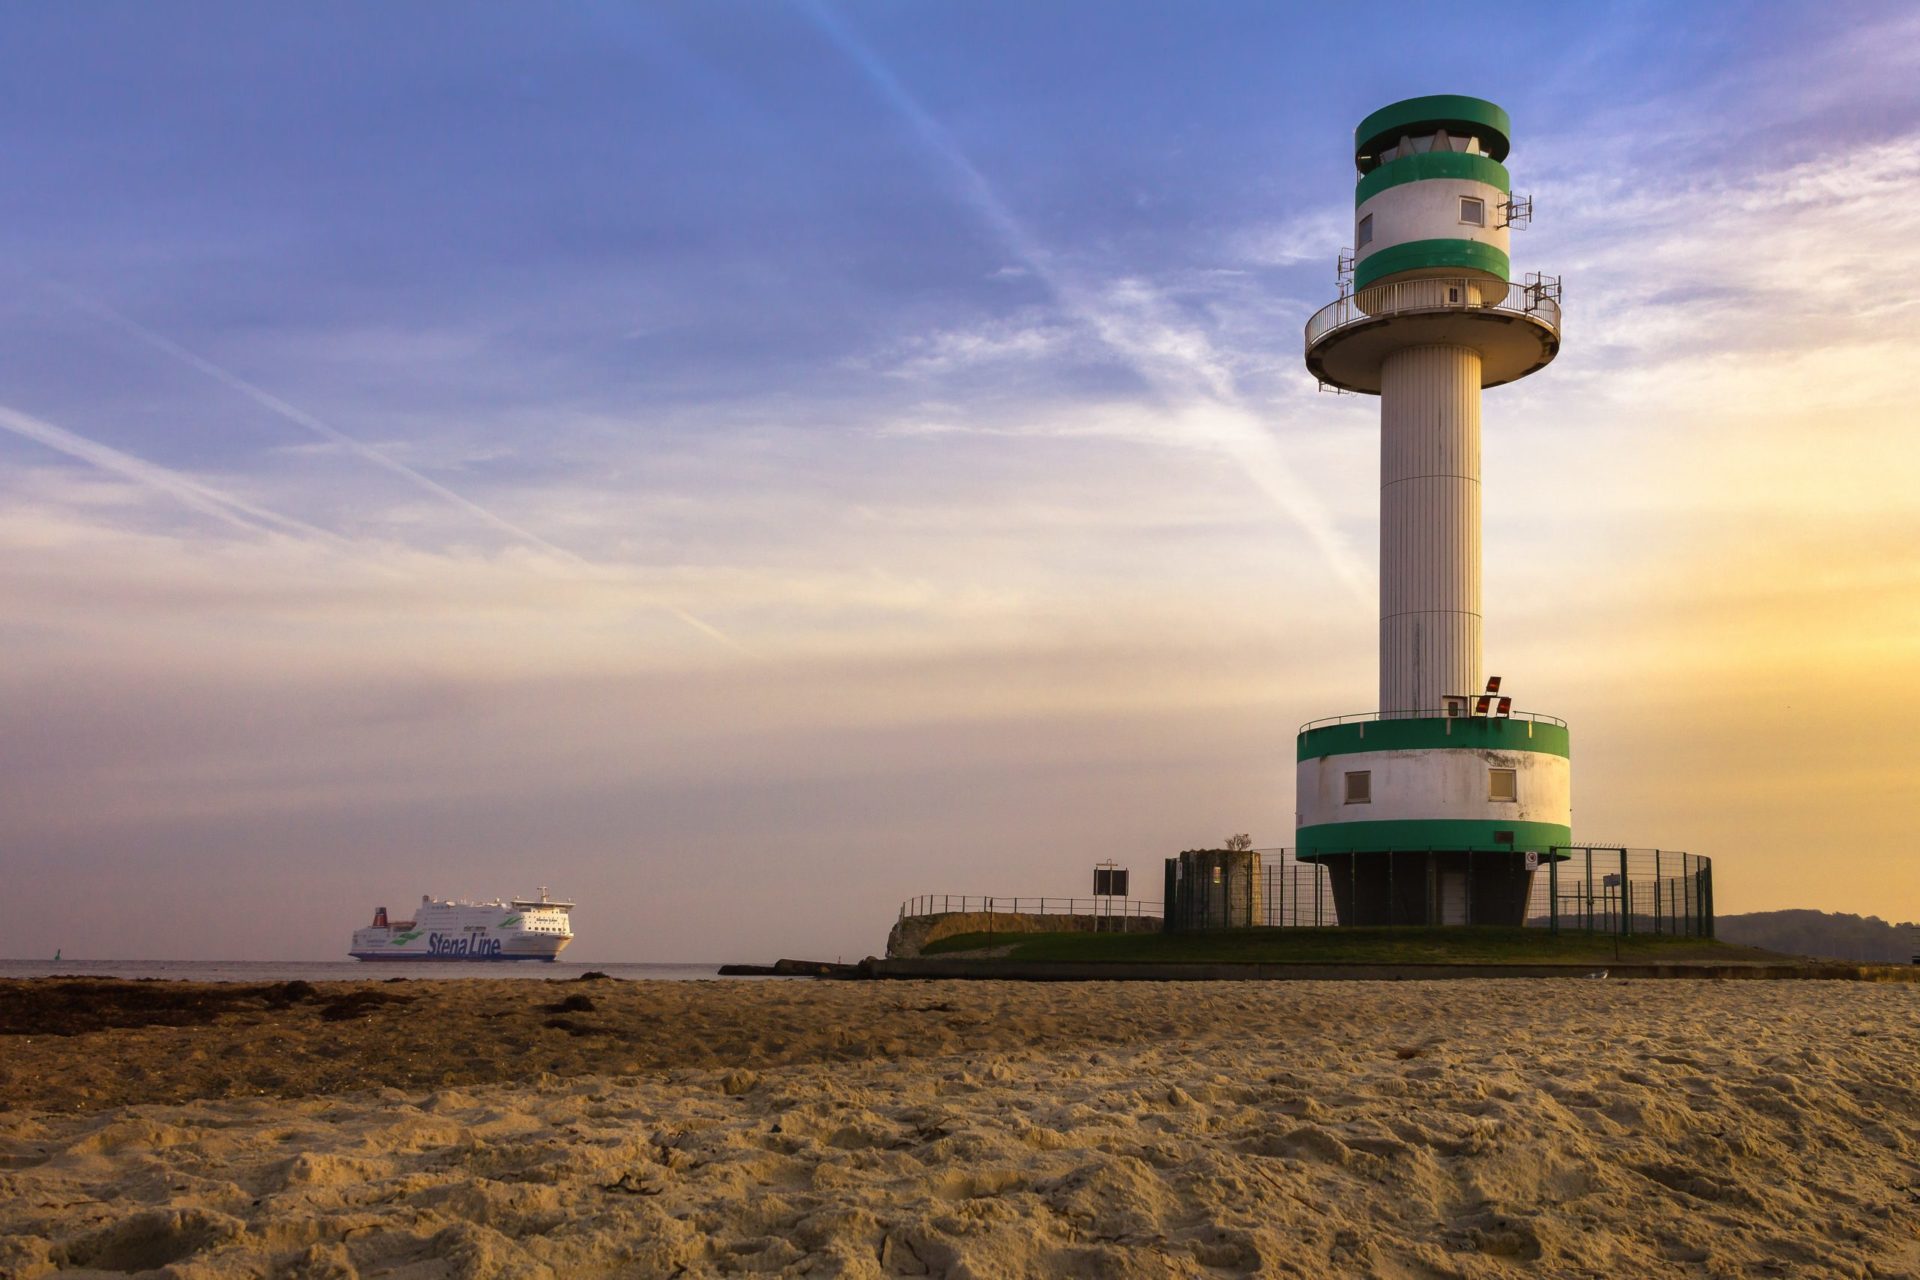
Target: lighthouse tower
1439, 807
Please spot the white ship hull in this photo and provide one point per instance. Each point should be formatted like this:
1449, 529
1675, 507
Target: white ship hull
520, 929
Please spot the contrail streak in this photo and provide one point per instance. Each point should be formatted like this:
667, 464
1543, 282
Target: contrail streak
301, 418
200, 497
1238, 435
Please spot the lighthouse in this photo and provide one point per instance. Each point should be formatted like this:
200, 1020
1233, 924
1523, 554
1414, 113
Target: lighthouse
1441, 806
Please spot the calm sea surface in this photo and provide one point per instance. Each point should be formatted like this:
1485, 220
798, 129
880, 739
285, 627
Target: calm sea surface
340, 970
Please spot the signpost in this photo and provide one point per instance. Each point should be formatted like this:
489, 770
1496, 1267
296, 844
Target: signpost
1109, 882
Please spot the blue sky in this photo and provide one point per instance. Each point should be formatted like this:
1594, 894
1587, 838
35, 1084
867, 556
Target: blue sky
717, 457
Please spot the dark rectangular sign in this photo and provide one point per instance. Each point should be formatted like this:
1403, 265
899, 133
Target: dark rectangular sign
1110, 881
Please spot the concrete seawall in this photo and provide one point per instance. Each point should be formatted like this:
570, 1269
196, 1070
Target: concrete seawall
911, 934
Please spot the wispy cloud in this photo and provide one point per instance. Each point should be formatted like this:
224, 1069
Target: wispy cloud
946, 350
333, 435
1133, 320
185, 489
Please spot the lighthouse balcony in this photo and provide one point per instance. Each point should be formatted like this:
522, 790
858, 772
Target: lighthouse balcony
1514, 327
1369, 717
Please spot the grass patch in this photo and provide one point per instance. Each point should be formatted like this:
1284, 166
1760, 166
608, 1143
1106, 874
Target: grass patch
1484, 944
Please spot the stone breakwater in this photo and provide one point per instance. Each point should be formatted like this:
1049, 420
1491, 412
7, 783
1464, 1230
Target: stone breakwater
1467, 1128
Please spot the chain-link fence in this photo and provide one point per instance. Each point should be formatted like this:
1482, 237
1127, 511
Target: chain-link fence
1615, 889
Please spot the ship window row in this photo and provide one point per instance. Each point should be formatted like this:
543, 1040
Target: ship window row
1503, 786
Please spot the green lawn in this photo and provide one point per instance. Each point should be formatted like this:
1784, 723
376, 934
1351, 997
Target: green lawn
1477, 945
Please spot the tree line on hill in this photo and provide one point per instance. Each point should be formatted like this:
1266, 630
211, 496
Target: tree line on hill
1829, 935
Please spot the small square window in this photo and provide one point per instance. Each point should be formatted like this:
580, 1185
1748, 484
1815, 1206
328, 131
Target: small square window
1364, 236
1473, 211
1360, 787
1502, 784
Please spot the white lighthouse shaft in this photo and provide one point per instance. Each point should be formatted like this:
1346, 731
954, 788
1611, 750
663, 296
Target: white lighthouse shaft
1430, 643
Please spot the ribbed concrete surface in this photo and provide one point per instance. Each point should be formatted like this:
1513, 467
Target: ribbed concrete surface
1430, 643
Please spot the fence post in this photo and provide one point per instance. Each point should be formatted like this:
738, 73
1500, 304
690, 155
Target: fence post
1706, 916
1589, 854
1391, 903
1553, 892
1626, 897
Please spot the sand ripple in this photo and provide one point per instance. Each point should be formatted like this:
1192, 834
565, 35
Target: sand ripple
1461, 1129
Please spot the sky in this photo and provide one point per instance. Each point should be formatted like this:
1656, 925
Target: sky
743, 465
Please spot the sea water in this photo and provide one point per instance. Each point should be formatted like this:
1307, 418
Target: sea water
341, 970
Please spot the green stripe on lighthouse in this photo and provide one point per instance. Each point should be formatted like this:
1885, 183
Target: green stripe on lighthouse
1444, 834
1435, 164
1465, 255
1434, 733
1414, 117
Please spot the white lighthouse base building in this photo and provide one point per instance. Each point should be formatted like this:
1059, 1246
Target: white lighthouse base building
1433, 820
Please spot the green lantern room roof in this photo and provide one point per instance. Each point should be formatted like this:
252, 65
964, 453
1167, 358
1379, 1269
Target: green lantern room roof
1415, 116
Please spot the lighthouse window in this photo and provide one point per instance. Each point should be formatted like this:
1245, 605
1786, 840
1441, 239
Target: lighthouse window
1502, 784
1360, 787
1473, 211
1365, 236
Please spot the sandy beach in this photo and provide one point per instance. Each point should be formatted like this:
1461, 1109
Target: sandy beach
1474, 1128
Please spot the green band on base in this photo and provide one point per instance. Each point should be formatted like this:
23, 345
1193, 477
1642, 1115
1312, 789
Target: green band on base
1434, 733
1437, 834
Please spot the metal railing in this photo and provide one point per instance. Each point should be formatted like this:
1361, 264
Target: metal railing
939, 904
1367, 717
1408, 297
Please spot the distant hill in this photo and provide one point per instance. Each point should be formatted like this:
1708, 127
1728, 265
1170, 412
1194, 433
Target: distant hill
1828, 935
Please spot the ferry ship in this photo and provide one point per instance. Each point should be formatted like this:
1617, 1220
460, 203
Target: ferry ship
517, 929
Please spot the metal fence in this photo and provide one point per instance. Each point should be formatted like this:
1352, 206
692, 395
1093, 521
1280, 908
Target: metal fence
1606, 889
1586, 888
1616, 889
